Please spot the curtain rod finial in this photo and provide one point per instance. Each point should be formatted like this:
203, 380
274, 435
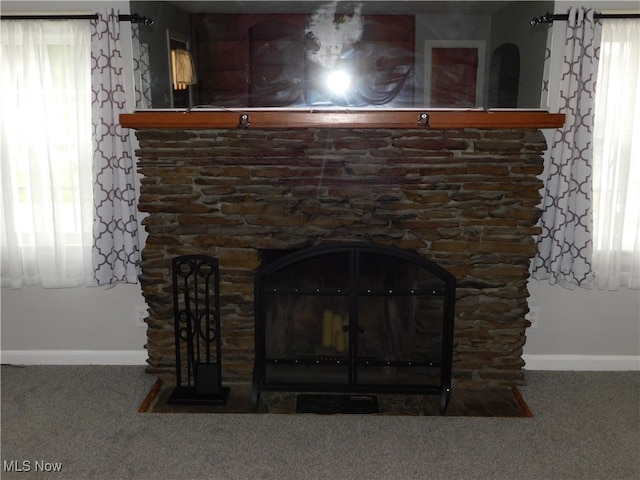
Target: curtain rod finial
135, 18
546, 18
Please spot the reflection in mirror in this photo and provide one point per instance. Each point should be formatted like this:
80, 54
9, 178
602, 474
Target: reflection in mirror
370, 54
182, 68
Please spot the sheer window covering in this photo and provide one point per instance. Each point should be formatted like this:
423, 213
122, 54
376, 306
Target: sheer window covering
616, 172
46, 154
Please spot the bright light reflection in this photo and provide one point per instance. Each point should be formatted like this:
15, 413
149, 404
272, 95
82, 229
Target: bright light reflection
338, 82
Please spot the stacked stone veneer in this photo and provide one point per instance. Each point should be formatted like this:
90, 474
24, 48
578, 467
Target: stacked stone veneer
466, 199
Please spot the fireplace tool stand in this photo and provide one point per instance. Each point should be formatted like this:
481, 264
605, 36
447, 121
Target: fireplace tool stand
196, 305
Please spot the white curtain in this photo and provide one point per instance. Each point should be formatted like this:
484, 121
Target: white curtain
565, 244
116, 250
616, 176
46, 153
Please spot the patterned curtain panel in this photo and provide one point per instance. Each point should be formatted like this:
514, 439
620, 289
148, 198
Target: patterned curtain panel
116, 250
565, 245
141, 69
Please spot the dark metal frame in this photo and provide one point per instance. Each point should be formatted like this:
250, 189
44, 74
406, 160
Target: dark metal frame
355, 291
549, 18
133, 18
196, 313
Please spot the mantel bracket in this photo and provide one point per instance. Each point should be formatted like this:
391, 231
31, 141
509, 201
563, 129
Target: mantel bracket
245, 121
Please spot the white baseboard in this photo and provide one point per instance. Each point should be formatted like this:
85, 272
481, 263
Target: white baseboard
582, 362
139, 357
74, 357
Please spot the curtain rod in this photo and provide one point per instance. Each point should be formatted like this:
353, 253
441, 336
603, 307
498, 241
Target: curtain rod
550, 18
133, 18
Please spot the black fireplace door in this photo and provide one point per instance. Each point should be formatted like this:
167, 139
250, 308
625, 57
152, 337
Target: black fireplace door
356, 317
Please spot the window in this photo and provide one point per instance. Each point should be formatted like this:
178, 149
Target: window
47, 198
616, 172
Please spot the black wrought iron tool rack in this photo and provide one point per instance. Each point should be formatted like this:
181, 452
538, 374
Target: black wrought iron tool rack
196, 305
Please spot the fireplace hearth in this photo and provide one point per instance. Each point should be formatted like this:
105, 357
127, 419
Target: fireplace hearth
354, 317
463, 198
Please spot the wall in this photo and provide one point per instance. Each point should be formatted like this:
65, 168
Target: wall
33, 319
582, 329
77, 325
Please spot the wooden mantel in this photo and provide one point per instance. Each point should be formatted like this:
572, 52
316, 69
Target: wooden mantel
437, 119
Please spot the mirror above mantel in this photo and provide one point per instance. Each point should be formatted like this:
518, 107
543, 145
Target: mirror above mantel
371, 54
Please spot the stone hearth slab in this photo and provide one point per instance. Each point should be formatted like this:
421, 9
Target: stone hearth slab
495, 402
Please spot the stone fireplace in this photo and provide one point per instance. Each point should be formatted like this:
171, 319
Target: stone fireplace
464, 197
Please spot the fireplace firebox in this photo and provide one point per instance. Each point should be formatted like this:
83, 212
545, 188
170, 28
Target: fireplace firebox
354, 317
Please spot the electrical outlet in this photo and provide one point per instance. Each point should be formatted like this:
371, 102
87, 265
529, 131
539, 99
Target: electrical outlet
140, 314
532, 316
